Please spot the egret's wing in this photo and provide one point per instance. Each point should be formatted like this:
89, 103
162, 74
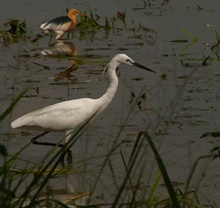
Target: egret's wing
59, 117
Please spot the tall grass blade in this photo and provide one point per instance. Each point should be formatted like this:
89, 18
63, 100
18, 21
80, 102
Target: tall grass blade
175, 202
217, 35
129, 168
194, 168
154, 186
189, 34
103, 167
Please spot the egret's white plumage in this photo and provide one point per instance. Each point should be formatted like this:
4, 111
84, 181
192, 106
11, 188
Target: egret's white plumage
68, 115
59, 117
62, 24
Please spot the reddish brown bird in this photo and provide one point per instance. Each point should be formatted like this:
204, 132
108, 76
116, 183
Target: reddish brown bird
62, 24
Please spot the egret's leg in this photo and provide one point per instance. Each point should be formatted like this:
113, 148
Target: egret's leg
69, 186
34, 140
68, 135
67, 150
69, 156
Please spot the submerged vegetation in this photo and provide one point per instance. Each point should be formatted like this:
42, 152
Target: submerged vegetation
204, 59
12, 30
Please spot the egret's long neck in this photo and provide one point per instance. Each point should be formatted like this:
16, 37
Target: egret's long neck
110, 93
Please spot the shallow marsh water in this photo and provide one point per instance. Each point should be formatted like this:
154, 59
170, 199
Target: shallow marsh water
182, 98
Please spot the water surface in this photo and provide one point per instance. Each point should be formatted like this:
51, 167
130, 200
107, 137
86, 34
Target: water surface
182, 102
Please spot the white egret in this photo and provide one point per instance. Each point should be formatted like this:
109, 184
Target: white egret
68, 115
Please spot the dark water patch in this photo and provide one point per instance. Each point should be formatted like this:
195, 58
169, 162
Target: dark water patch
179, 41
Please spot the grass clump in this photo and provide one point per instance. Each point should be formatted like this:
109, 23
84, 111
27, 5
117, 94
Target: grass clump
13, 194
12, 30
175, 197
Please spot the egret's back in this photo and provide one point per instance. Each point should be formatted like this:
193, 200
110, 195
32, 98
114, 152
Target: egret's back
61, 116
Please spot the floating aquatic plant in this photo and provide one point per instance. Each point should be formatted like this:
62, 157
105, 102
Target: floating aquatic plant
11, 30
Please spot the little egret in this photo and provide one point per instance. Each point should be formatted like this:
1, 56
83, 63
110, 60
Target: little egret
68, 115
62, 24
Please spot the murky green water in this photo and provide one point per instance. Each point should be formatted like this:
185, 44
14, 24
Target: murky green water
182, 98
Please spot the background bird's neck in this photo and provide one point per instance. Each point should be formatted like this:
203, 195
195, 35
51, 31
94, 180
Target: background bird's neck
72, 17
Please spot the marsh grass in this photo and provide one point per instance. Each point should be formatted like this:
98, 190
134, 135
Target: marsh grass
92, 21
12, 195
41, 173
205, 59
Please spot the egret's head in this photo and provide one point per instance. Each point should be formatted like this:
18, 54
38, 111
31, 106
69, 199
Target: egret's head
123, 58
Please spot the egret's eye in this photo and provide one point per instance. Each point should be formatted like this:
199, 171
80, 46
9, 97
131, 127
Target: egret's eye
128, 60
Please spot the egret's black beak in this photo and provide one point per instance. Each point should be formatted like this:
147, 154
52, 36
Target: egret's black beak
143, 67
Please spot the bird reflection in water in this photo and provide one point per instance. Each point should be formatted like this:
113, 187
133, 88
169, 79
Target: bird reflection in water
63, 48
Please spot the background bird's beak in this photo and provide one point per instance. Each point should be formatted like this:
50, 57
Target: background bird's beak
143, 67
